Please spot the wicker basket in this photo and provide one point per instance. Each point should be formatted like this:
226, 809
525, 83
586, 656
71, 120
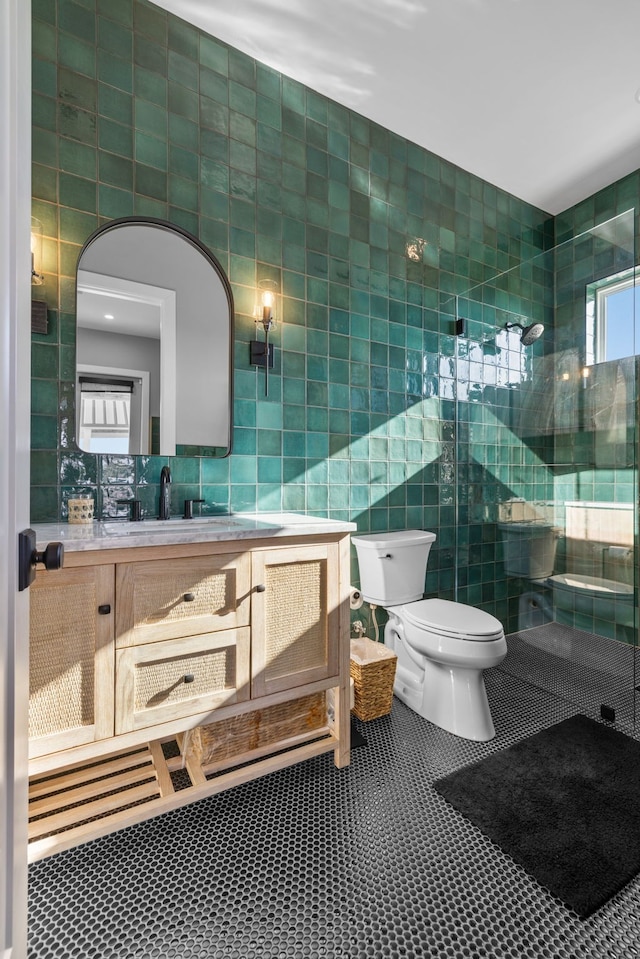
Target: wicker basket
373, 669
228, 738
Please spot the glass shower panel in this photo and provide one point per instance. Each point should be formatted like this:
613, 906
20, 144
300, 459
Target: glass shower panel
547, 367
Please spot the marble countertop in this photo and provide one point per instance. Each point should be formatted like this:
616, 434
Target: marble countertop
116, 534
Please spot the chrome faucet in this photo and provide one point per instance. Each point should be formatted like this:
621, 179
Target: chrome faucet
165, 497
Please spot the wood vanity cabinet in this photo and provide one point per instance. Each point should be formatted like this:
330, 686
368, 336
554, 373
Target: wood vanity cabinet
134, 649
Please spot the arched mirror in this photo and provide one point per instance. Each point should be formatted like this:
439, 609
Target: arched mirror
154, 343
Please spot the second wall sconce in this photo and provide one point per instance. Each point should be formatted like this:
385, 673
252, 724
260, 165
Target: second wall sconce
37, 234
262, 353
39, 314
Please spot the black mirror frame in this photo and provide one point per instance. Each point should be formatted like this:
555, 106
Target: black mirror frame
214, 262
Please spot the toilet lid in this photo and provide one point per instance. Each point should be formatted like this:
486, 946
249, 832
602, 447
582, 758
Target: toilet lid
455, 619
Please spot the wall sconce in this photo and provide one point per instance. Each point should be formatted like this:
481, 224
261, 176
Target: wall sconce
264, 312
39, 315
37, 234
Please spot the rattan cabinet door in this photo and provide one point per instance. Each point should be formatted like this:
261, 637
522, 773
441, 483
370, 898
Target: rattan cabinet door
71, 653
295, 633
162, 682
164, 599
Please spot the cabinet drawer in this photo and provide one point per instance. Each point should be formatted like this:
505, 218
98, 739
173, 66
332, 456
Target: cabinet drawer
168, 598
158, 683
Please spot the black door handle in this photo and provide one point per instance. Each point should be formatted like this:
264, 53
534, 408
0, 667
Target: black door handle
52, 557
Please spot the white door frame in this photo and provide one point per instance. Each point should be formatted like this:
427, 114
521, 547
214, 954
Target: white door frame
15, 375
139, 425
165, 301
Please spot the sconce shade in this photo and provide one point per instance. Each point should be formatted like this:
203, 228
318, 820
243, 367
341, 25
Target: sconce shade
265, 309
37, 234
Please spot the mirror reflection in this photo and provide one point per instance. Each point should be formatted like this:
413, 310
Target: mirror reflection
154, 337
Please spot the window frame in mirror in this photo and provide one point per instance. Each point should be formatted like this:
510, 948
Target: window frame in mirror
199, 246
598, 319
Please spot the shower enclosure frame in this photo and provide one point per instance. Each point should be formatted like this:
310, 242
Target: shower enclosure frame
530, 439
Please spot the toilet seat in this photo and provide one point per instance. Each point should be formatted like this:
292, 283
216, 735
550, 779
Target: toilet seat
453, 619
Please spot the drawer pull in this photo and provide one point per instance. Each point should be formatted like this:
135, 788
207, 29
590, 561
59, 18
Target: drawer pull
189, 677
261, 588
105, 609
189, 597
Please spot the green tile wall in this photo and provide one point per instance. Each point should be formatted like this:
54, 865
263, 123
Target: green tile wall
137, 112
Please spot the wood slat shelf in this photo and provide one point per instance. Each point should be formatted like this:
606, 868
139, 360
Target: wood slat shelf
85, 801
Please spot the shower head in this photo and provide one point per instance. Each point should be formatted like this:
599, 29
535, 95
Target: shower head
529, 333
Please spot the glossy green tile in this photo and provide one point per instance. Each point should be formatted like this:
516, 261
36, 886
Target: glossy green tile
115, 170
149, 55
115, 138
150, 21
182, 70
74, 19
151, 151
116, 105
44, 10
269, 469
184, 194
44, 432
150, 182
77, 55
77, 192
147, 206
76, 124
182, 101
115, 38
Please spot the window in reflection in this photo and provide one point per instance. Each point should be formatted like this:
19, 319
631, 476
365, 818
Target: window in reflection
613, 318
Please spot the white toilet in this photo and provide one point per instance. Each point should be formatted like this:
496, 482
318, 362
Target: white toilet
442, 647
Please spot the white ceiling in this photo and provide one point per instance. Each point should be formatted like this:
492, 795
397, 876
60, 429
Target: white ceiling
534, 96
117, 314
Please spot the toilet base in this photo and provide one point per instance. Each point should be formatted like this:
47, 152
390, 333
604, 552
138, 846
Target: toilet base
451, 697
455, 699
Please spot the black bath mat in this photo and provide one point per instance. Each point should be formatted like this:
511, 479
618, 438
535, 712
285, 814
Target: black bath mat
564, 804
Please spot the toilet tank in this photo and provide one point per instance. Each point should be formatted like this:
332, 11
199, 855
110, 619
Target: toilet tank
529, 549
393, 566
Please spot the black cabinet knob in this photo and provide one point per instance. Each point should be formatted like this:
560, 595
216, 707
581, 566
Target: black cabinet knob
52, 557
104, 609
189, 677
261, 588
189, 597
